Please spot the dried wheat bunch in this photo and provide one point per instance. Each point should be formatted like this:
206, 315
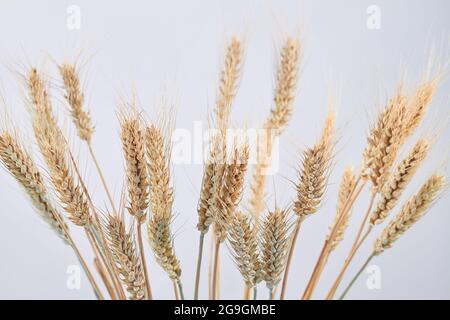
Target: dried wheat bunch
161, 199
243, 239
274, 246
21, 166
232, 189
315, 170
398, 180
75, 98
123, 248
410, 213
53, 147
133, 143
345, 188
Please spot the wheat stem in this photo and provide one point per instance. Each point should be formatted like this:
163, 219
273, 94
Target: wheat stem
199, 265
105, 278
180, 289
347, 262
215, 269
97, 225
289, 257
356, 277
148, 290
255, 293
325, 252
102, 177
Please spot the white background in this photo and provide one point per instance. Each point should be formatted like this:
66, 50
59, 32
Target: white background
174, 49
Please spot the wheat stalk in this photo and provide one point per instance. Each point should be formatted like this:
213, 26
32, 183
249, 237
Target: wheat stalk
123, 247
398, 181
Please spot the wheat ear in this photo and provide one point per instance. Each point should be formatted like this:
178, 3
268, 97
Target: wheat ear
244, 242
22, 168
345, 188
232, 188
161, 199
286, 84
123, 247
384, 141
75, 98
313, 179
133, 145
398, 180
274, 247
52, 145
410, 213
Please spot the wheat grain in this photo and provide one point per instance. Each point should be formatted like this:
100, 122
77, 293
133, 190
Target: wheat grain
75, 98
398, 181
21, 166
345, 188
313, 177
126, 258
410, 213
133, 145
274, 246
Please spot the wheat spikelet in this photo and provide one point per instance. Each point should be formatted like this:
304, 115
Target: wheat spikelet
123, 248
205, 218
132, 135
243, 239
314, 174
410, 213
161, 199
274, 246
22, 168
345, 188
75, 98
228, 82
287, 78
398, 181
52, 145
385, 140
232, 188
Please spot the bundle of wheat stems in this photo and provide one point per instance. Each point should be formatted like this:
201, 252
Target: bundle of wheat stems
262, 241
